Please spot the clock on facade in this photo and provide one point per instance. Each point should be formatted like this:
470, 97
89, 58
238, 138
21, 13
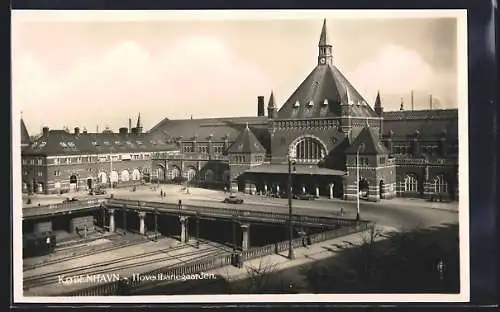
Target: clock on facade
322, 60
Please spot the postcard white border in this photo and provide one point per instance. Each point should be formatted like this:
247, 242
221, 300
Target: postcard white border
120, 16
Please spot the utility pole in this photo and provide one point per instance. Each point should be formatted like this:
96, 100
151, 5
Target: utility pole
360, 147
291, 254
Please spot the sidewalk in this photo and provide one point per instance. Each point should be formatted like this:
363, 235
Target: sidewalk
303, 256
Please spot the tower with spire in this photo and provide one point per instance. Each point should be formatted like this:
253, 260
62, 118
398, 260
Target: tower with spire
139, 124
271, 107
325, 56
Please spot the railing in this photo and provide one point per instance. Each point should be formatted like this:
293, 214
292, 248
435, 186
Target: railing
62, 207
302, 241
228, 213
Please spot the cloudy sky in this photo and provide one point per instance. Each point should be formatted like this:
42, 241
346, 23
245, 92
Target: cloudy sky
96, 71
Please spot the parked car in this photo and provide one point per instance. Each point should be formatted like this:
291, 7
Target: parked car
306, 197
99, 191
69, 200
233, 200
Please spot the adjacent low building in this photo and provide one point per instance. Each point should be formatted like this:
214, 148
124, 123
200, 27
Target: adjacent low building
60, 161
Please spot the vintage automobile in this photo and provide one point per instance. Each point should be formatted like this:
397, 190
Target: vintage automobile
99, 191
233, 200
69, 200
304, 196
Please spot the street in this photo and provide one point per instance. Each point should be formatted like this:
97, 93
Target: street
403, 214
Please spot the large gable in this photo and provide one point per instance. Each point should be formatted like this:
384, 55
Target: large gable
247, 143
370, 140
322, 93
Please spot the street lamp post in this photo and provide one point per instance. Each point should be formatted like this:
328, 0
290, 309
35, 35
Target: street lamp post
291, 254
360, 147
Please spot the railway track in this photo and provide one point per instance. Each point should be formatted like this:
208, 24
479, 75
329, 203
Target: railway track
102, 267
84, 251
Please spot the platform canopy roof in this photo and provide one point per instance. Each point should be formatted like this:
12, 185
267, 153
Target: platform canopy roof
299, 169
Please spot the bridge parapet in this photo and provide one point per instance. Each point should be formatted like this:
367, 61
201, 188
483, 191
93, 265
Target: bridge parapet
230, 213
62, 207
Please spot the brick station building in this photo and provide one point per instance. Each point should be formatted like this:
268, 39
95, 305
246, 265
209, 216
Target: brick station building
321, 127
60, 161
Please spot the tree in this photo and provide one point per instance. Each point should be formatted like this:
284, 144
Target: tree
266, 277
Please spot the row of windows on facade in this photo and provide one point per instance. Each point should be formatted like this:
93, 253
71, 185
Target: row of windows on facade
410, 184
432, 149
82, 159
364, 161
203, 149
244, 159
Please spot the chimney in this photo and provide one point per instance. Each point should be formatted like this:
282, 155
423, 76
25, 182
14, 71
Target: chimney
430, 101
134, 130
77, 131
130, 125
123, 131
84, 131
260, 106
45, 131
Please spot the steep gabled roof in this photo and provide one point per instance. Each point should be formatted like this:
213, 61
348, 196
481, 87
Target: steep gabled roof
372, 144
61, 142
246, 142
25, 137
430, 123
321, 95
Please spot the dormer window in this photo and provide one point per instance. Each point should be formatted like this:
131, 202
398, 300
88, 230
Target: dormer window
358, 103
63, 144
70, 144
325, 102
118, 143
297, 104
139, 142
94, 143
311, 103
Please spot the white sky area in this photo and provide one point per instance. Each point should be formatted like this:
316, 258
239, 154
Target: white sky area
99, 73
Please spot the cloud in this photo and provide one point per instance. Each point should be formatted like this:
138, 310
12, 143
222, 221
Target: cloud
395, 70
194, 76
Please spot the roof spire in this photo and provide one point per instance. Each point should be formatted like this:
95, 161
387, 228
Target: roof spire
139, 121
323, 38
325, 48
246, 126
271, 100
378, 104
402, 105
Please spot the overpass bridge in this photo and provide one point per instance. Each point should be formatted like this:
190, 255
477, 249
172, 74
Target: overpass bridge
308, 229
242, 212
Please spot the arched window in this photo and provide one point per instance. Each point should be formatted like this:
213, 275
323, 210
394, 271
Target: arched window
103, 178
190, 173
440, 184
174, 172
125, 176
136, 175
309, 149
113, 177
410, 183
209, 175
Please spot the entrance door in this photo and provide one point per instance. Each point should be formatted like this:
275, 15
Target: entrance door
89, 183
